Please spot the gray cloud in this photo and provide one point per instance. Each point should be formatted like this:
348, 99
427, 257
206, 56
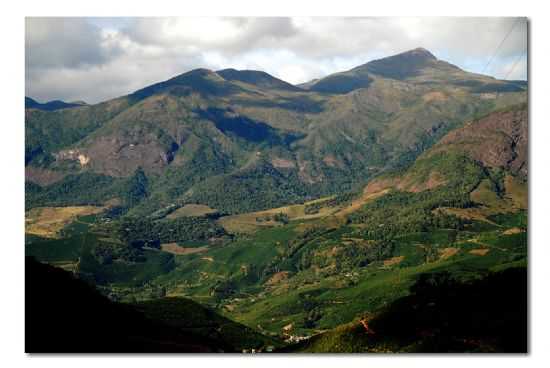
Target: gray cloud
65, 42
100, 58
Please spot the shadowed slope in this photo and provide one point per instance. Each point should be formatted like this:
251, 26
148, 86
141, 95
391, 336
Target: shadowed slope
442, 315
64, 314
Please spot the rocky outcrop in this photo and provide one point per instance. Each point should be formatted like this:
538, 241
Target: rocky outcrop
121, 156
73, 155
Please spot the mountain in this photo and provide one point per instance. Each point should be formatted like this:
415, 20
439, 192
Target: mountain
265, 142
428, 250
496, 143
257, 78
51, 105
418, 66
498, 140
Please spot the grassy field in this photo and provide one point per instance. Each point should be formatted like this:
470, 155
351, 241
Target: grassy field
46, 222
174, 248
250, 222
190, 210
65, 251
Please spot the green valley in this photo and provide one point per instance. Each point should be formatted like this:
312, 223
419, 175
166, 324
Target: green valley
254, 214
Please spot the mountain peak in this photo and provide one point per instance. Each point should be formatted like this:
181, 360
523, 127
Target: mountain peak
201, 80
199, 71
420, 51
418, 55
404, 65
255, 77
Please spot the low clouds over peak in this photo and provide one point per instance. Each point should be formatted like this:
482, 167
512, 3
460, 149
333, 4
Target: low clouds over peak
94, 59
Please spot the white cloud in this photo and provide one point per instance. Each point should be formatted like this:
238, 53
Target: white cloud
100, 58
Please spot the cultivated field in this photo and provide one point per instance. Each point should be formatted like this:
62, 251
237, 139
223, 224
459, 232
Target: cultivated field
47, 221
252, 221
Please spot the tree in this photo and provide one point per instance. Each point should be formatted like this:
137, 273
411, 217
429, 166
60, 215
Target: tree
137, 188
452, 235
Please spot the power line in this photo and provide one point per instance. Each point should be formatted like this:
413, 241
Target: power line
500, 45
514, 65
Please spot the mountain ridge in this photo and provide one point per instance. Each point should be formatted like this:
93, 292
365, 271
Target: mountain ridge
53, 105
199, 128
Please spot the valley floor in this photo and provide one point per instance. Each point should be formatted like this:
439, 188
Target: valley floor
289, 281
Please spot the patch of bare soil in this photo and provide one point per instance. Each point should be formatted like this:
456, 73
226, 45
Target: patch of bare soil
47, 221
393, 261
434, 180
332, 161
434, 96
367, 196
479, 252
446, 253
513, 230
378, 185
282, 163
277, 278
174, 248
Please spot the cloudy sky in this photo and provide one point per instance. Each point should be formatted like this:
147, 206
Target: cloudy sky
94, 59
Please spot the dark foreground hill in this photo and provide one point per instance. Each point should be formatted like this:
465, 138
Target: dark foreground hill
441, 315
66, 315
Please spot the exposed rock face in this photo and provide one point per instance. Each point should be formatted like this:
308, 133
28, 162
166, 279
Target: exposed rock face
497, 140
73, 155
83, 159
121, 156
